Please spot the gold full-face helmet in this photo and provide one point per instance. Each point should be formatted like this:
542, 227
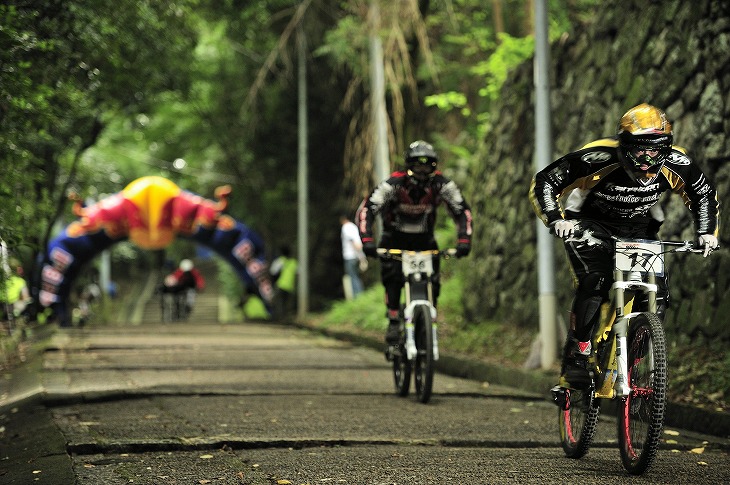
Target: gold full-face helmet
645, 139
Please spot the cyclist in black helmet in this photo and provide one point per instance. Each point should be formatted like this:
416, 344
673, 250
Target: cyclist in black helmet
407, 203
611, 187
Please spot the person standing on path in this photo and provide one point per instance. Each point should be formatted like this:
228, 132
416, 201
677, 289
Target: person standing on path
353, 257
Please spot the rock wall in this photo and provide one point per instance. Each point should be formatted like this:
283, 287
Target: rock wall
674, 54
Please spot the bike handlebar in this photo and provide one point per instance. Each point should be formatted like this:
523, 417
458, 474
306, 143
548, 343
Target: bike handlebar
682, 246
444, 253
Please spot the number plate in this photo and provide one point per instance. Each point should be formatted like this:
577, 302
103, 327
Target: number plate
414, 262
640, 255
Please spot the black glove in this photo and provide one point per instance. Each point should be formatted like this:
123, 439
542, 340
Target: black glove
463, 249
370, 249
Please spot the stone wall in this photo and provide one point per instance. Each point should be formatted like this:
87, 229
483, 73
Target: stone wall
673, 54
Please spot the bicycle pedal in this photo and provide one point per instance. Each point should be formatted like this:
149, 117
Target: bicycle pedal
560, 397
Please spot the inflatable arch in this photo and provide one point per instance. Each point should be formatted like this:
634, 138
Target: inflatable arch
151, 212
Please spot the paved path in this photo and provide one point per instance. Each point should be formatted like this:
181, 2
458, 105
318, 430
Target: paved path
268, 404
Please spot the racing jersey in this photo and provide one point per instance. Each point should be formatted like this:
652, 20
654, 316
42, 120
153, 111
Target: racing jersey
596, 186
410, 208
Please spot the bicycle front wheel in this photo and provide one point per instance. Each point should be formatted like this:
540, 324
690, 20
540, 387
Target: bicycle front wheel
424, 357
578, 417
641, 413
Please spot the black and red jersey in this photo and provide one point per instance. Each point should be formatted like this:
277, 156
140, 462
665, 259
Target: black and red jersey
410, 208
593, 184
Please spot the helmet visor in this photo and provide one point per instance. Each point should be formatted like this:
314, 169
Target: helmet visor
645, 157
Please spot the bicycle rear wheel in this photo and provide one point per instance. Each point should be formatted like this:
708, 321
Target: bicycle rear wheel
641, 414
424, 357
167, 303
578, 417
401, 369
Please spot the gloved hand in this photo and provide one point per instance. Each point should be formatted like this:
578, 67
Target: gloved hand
370, 249
563, 228
709, 242
463, 249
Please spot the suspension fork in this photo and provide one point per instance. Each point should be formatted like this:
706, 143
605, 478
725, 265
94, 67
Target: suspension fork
621, 328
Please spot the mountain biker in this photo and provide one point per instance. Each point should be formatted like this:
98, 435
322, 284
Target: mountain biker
186, 278
407, 203
611, 187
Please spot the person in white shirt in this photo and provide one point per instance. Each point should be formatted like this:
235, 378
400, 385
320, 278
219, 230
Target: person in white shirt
352, 255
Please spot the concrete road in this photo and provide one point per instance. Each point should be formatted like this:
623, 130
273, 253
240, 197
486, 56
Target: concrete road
268, 404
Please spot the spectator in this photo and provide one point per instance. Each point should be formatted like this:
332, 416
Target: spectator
284, 274
354, 259
15, 295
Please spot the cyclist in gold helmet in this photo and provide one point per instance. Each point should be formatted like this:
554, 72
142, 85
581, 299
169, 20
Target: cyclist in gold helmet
611, 187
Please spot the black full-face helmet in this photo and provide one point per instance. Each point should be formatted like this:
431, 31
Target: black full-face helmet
645, 140
421, 160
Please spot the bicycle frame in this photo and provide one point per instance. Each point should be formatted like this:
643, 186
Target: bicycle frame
629, 361
635, 261
418, 288
418, 347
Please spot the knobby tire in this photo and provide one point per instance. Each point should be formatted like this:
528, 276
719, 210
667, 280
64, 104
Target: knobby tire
401, 369
578, 421
424, 358
641, 414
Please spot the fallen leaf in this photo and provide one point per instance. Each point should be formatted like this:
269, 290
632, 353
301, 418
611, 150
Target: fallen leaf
36, 472
283, 482
702, 463
671, 432
203, 481
206, 457
674, 450
699, 451
671, 442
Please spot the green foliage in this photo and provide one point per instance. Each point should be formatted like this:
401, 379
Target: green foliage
64, 63
366, 312
511, 52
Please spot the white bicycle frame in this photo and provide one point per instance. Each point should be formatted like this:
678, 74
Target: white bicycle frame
418, 265
640, 260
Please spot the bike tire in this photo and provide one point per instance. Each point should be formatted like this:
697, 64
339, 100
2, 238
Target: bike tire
641, 413
578, 420
167, 304
401, 370
424, 363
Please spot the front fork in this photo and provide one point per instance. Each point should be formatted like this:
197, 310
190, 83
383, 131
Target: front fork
411, 350
621, 329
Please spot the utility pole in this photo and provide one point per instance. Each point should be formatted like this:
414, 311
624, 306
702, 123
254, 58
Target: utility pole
302, 182
381, 160
543, 156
